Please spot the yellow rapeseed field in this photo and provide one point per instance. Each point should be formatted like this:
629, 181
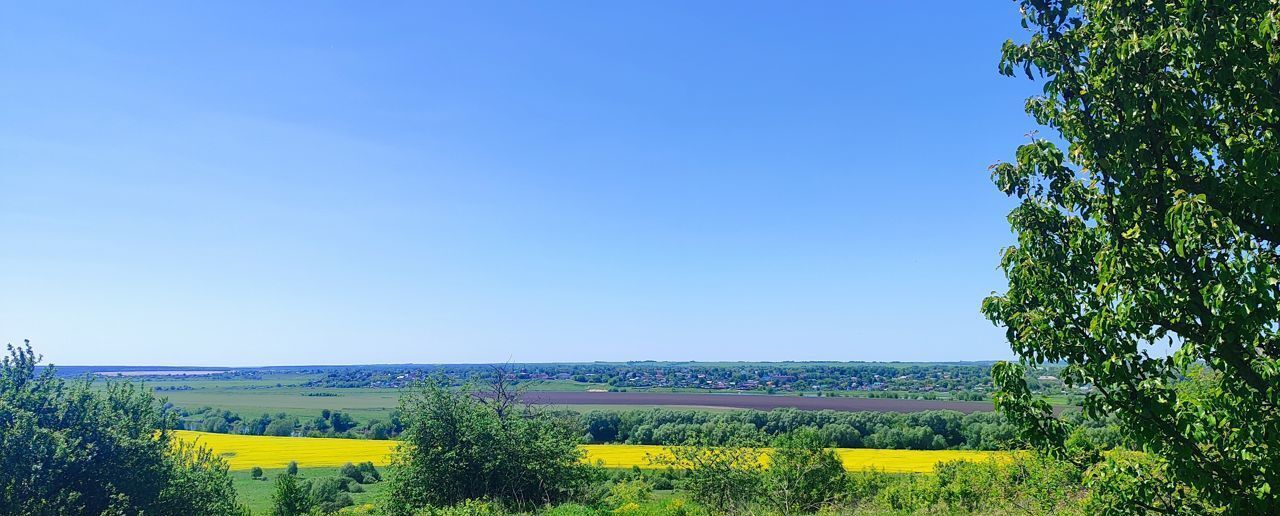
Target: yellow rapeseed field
246, 451
855, 459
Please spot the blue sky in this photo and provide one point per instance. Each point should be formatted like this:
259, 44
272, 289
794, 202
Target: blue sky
243, 184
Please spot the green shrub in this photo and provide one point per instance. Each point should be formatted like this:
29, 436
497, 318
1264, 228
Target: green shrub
573, 509
726, 479
350, 470
328, 494
370, 472
863, 486
67, 447
803, 475
291, 496
628, 492
464, 508
969, 486
458, 446
910, 493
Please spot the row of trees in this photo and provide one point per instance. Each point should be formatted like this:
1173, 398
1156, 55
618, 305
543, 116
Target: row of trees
927, 430
327, 424
788, 376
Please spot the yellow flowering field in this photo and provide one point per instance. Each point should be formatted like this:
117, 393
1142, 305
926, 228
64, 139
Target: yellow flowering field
855, 459
246, 451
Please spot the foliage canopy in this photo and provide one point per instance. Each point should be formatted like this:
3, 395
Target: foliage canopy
1146, 241
461, 445
66, 448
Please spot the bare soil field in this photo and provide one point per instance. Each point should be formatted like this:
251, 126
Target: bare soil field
752, 401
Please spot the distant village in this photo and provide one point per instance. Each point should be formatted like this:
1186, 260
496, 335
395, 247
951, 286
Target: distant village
967, 380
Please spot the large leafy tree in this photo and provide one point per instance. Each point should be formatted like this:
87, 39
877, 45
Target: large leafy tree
1146, 241
68, 448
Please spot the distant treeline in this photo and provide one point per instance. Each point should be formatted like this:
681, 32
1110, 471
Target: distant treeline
928, 430
931, 379
326, 424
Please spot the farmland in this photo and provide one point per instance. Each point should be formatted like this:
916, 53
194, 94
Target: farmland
243, 452
369, 393
369, 403
753, 401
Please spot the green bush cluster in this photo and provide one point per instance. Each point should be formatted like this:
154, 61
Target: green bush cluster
68, 448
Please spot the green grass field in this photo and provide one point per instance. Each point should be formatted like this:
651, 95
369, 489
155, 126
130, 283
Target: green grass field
256, 494
361, 404
282, 392
250, 398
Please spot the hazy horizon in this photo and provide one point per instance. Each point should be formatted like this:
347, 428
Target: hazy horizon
478, 183
198, 367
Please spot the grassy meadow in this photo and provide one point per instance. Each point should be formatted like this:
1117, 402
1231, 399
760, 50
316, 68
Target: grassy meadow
256, 494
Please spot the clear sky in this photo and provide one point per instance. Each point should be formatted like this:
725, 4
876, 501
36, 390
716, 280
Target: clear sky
231, 183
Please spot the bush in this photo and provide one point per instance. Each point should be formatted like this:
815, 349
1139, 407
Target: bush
350, 471
328, 494
256, 473
628, 492
968, 486
724, 478
864, 486
291, 496
663, 483
457, 446
370, 472
70, 448
912, 493
465, 508
292, 469
803, 474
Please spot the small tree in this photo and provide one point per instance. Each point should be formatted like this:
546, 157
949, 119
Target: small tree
725, 478
803, 474
280, 427
341, 422
468, 445
256, 473
292, 497
292, 469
